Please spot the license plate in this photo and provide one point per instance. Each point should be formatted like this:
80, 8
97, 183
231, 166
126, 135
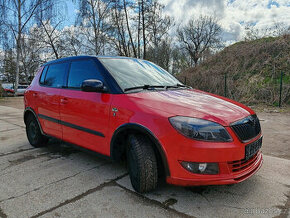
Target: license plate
253, 148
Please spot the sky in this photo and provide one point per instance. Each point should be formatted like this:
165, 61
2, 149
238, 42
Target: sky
233, 15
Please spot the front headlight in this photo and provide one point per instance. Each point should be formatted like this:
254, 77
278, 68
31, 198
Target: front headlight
200, 129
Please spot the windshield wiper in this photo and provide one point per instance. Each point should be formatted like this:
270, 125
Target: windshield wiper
177, 86
147, 87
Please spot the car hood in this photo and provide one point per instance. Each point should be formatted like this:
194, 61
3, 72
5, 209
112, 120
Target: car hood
193, 103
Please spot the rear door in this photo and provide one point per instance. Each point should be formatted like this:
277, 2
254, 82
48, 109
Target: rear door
85, 115
48, 98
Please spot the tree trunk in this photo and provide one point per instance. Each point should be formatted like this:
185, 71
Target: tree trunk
128, 28
18, 47
143, 26
195, 61
139, 24
51, 43
95, 27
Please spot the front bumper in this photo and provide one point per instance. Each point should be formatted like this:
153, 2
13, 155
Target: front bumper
221, 179
233, 168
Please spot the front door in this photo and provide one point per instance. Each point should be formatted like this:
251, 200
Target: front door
85, 115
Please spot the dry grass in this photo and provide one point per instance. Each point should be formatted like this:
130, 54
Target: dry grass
253, 71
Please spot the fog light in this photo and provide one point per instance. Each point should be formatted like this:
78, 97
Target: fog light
201, 168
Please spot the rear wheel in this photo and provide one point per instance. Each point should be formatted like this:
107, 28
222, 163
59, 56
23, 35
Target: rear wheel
35, 138
142, 164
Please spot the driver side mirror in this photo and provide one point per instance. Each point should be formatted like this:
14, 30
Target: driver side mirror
93, 85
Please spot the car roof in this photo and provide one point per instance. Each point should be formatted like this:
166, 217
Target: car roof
83, 57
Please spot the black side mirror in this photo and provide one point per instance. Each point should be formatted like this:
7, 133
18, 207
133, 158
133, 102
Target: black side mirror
93, 85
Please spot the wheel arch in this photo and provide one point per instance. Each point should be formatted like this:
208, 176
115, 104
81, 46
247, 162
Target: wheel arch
29, 111
117, 149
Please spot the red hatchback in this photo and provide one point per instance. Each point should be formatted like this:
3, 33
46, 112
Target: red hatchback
126, 108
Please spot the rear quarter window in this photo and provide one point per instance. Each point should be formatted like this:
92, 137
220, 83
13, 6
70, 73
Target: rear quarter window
43, 74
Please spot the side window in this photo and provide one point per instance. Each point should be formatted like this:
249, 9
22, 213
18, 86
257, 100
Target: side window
55, 74
80, 71
42, 77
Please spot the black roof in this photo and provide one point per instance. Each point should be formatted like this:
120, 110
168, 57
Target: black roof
82, 57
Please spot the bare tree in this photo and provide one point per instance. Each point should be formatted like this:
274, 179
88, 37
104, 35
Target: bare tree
278, 29
51, 36
29, 58
9, 67
122, 28
158, 27
180, 60
138, 27
252, 33
94, 17
24, 11
199, 35
128, 28
161, 55
143, 8
72, 40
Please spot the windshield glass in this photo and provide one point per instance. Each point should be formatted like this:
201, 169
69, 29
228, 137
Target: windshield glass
134, 72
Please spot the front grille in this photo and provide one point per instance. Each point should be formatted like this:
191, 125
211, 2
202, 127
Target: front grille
247, 128
238, 165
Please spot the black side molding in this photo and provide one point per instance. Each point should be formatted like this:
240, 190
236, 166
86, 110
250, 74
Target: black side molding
71, 125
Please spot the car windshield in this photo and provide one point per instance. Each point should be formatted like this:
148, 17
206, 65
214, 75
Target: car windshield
130, 73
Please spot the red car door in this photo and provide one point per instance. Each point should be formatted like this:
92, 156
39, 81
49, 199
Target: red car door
47, 98
85, 115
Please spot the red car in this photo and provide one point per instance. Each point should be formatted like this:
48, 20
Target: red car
126, 108
8, 89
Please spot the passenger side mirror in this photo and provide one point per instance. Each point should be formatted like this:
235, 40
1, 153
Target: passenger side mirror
93, 85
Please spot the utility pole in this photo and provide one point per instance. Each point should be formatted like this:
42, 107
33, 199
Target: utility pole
225, 84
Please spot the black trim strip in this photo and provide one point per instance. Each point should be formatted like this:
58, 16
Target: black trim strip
115, 150
71, 125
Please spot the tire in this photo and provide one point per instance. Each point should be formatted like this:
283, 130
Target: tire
142, 164
34, 136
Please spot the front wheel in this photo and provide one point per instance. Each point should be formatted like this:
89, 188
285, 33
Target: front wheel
142, 164
35, 138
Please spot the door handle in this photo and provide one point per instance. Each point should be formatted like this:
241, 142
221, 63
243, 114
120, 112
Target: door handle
63, 100
34, 94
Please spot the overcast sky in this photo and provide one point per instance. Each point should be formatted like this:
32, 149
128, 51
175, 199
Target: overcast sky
233, 15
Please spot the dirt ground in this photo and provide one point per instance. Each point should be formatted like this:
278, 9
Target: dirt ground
15, 102
274, 121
